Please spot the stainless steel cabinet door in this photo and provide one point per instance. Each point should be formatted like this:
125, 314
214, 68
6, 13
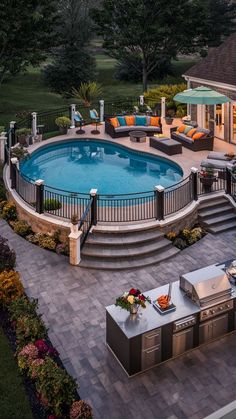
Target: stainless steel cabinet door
205, 332
151, 357
151, 339
220, 326
182, 341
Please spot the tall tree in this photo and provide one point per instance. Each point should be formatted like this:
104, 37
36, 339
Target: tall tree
26, 33
72, 62
153, 29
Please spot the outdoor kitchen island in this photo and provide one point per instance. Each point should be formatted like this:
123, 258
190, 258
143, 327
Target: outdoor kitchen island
143, 340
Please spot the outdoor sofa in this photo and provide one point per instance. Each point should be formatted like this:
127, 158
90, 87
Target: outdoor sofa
122, 125
195, 139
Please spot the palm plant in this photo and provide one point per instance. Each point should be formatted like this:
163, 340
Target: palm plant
87, 92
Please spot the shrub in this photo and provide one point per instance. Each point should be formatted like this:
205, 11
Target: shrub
81, 410
7, 256
180, 243
2, 129
63, 249
87, 92
2, 205
167, 91
23, 307
55, 386
43, 240
9, 212
51, 204
19, 152
26, 356
63, 121
23, 132
29, 329
2, 193
22, 228
11, 287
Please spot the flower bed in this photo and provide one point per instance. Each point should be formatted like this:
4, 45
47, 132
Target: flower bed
51, 390
186, 237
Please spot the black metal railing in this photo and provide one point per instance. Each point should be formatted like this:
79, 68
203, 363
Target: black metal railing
86, 221
46, 119
126, 207
64, 204
122, 106
178, 196
214, 183
26, 188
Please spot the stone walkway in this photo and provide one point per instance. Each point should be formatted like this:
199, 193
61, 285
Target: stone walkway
73, 303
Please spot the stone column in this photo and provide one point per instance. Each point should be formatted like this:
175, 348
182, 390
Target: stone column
72, 115
163, 107
13, 168
93, 194
101, 110
74, 245
34, 124
194, 172
159, 191
141, 100
39, 196
3, 140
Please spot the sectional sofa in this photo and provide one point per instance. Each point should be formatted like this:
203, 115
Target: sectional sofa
121, 125
198, 139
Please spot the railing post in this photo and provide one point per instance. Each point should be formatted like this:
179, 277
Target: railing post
194, 172
72, 115
39, 196
141, 100
34, 124
74, 246
93, 194
13, 168
101, 110
3, 140
163, 107
159, 192
228, 181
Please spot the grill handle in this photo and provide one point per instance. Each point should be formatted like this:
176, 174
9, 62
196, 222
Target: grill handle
215, 297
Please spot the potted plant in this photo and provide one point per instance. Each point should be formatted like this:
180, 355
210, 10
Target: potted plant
170, 113
63, 122
87, 92
74, 223
207, 177
22, 135
132, 300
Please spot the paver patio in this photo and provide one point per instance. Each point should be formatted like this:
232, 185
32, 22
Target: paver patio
73, 302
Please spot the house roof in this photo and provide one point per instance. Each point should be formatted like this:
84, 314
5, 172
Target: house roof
219, 65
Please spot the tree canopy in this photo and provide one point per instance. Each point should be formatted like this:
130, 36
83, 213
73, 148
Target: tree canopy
26, 33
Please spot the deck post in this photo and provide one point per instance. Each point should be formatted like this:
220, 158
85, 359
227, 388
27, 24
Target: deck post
72, 115
93, 194
3, 140
163, 107
101, 110
159, 192
34, 124
228, 181
75, 246
13, 168
194, 173
39, 196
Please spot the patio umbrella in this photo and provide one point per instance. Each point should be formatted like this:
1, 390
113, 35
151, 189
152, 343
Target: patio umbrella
201, 96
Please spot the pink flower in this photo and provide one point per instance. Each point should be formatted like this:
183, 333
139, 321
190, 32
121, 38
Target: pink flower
42, 346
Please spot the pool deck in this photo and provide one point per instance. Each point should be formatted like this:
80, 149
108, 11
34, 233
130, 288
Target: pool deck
186, 160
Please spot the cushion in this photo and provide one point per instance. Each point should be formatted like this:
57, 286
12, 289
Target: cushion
126, 129
160, 135
187, 129
198, 135
181, 128
217, 155
140, 120
130, 120
191, 132
122, 121
217, 164
207, 131
154, 121
185, 138
114, 122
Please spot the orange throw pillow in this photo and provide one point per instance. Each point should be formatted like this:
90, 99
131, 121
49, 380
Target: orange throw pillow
198, 135
191, 132
181, 128
114, 122
154, 121
130, 120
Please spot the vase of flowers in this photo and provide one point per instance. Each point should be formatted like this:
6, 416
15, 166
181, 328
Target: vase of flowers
207, 178
132, 300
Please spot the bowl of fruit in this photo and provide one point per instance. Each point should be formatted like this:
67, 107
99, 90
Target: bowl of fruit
163, 301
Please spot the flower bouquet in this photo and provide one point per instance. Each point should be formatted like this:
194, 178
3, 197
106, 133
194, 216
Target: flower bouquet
131, 300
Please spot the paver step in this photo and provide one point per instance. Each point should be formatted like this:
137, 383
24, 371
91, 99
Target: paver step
222, 209
125, 230
212, 202
220, 218
219, 228
124, 239
126, 251
131, 263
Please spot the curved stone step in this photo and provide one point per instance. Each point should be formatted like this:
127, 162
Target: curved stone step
218, 219
130, 263
219, 228
212, 202
223, 209
126, 251
121, 239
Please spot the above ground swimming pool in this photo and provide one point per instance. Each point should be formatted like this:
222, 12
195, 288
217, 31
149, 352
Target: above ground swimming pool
80, 165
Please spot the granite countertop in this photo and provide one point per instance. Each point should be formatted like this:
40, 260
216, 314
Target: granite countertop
149, 318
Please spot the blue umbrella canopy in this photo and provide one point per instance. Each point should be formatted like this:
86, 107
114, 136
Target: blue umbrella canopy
201, 96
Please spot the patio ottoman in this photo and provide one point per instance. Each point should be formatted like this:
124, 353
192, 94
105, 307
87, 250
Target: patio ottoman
166, 145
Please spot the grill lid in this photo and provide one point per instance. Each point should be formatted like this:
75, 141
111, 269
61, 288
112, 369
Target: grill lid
205, 284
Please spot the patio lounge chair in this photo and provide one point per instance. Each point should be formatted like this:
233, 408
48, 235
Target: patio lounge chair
95, 118
79, 121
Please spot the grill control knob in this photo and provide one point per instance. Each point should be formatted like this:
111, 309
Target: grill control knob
220, 308
212, 311
228, 305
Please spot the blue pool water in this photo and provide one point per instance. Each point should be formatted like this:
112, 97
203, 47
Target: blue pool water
79, 165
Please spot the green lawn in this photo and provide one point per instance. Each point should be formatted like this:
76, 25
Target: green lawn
13, 400
26, 92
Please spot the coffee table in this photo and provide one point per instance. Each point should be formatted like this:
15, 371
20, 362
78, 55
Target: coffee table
138, 136
166, 145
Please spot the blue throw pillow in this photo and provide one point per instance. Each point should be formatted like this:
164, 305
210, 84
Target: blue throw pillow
122, 121
187, 129
141, 120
